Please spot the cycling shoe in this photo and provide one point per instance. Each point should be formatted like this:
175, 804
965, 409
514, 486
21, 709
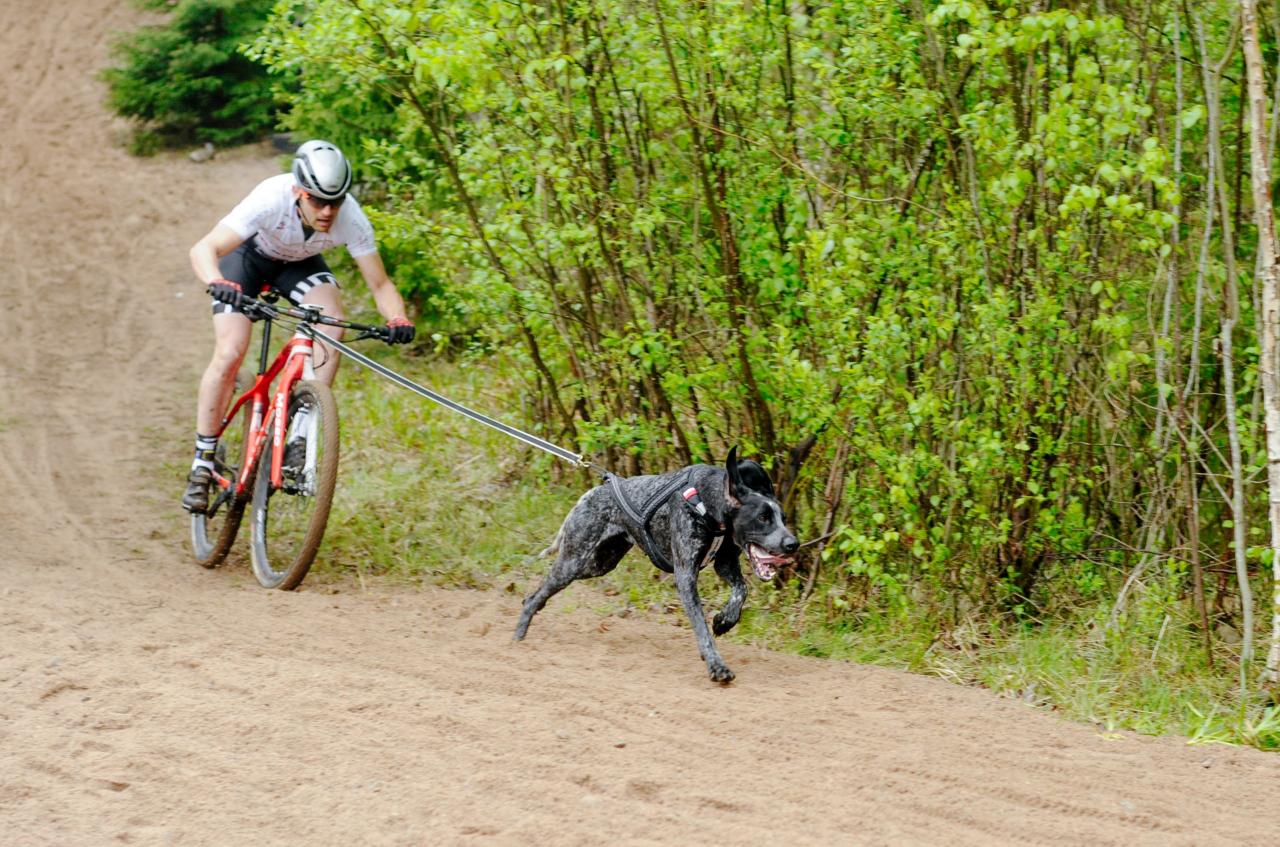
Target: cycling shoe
196, 497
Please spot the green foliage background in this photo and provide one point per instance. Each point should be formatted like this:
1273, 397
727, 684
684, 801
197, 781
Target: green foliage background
909, 253
185, 79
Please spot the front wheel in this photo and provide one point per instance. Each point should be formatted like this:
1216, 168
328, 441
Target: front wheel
288, 522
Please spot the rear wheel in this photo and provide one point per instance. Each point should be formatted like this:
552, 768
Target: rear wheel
289, 521
213, 532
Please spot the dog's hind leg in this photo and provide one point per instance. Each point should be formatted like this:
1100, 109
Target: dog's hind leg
557, 579
727, 618
572, 564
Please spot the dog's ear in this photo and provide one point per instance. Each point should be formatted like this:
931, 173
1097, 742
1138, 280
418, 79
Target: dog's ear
732, 482
754, 477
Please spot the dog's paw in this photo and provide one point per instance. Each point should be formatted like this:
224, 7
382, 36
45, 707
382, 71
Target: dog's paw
720, 626
720, 673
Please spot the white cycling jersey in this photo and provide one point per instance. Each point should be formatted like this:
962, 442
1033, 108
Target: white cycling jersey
270, 212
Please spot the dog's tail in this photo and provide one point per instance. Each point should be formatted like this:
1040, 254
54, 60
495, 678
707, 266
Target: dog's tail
554, 547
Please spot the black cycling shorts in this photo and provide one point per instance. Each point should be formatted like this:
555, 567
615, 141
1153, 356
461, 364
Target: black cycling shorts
255, 272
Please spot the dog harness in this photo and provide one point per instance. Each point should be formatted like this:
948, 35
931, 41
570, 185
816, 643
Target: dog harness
638, 520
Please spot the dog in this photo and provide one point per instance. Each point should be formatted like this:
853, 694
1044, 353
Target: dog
735, 502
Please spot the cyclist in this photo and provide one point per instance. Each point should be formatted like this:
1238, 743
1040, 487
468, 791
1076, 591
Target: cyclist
274, 239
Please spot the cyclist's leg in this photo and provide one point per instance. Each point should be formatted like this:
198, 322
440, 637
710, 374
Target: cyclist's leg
232, 332
330, 298
311, 281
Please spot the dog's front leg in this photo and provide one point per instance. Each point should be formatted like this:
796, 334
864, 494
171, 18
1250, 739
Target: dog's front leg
687, 588
728, 569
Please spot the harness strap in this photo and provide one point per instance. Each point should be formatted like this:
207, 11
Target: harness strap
639, 524
712, 549
616, 490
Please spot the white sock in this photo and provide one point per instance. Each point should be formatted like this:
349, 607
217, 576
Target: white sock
206, 446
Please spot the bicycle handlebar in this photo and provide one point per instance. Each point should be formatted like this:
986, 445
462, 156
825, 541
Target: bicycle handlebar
259, 310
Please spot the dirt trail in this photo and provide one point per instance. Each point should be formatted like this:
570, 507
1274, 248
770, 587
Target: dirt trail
143, 700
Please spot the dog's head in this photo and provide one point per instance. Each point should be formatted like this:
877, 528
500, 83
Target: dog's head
757, 517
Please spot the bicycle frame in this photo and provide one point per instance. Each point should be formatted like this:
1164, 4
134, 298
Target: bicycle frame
269, 410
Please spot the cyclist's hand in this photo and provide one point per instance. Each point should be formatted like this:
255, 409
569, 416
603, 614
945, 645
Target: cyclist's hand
226, 291
400, 331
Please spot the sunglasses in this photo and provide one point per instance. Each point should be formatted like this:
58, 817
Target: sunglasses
320, 202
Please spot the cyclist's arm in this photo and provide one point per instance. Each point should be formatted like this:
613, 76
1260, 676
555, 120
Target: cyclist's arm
390, 303
220, 241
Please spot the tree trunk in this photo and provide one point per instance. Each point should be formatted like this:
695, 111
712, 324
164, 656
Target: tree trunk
1267, 271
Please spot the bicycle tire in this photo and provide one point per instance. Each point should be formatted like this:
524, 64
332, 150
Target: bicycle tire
213, 534
288, 522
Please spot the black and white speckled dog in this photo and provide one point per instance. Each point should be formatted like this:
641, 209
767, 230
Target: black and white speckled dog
677, 518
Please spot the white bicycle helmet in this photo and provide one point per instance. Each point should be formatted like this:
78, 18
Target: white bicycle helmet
321, 170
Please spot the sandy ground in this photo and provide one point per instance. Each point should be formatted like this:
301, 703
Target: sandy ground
146, 701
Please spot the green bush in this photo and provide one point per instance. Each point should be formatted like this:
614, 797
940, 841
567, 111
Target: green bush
185, 79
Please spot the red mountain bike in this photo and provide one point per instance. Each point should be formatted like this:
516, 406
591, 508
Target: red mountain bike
287, 483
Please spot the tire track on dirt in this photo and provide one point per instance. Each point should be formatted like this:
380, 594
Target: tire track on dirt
84, 211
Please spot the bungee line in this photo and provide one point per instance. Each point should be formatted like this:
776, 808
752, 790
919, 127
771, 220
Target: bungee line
405, 382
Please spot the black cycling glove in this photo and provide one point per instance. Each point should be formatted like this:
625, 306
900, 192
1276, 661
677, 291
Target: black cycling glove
226, 291
400, 331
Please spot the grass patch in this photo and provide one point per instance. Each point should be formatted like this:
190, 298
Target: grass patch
427, 495
1116, 681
